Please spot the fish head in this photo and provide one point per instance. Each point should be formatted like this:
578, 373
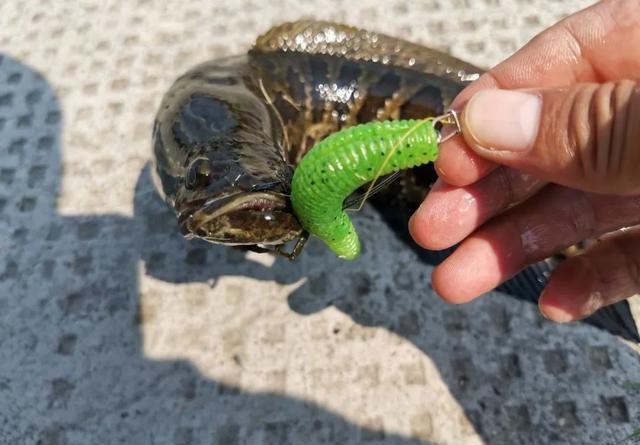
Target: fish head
220, 162
226, 201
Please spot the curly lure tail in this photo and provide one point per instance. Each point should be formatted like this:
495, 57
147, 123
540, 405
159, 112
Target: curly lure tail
347, 160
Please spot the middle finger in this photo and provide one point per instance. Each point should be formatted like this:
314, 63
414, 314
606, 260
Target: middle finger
449, 214
555, 218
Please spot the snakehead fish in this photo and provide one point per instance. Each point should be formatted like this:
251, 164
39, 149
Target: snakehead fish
230, 132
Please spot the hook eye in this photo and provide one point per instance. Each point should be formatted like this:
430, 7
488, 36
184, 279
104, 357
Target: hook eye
199, 174
449, 118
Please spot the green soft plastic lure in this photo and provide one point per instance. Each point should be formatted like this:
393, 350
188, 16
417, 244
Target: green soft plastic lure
344, 161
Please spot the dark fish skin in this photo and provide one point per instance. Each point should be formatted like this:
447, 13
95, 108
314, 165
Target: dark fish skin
217, 160
229, 133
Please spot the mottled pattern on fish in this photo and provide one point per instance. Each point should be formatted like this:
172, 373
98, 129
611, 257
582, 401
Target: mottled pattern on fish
323, 77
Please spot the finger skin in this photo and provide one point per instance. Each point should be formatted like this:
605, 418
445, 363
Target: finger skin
552, 220
449, 214
605, 274
458, 165
584, 47
588, 136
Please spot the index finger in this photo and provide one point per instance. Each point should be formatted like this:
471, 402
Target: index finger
596, 44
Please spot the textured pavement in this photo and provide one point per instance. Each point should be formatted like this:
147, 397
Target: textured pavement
113, 329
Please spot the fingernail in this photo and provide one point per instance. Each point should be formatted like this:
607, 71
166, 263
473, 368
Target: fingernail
556, 314
410, 223
570, 295
502, 120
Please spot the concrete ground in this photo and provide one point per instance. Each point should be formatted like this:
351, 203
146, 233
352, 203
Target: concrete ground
113, 329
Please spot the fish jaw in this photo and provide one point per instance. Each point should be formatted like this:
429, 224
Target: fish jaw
243, 218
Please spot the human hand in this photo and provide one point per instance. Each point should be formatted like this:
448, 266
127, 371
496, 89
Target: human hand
542, 169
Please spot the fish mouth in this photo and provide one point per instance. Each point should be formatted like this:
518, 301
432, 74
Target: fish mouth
243, 218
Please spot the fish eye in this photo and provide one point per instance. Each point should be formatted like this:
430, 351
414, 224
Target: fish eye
199, 174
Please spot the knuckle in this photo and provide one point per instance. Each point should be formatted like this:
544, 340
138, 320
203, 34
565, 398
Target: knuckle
603, 129
631, 261
581, 216
581, 128
626, 134
504, 187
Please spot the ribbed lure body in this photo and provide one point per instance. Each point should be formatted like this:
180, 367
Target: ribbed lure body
344, 161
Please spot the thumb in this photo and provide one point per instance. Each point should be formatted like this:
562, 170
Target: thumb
585, 136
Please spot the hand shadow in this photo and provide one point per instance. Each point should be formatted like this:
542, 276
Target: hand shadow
73, 368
